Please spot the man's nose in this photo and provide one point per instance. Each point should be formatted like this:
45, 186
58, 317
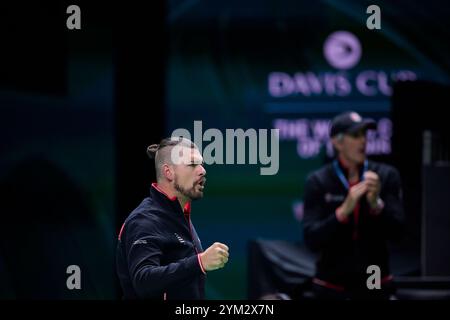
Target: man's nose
202, 170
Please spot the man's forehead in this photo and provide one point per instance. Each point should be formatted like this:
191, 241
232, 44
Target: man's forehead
195, 156
188, 155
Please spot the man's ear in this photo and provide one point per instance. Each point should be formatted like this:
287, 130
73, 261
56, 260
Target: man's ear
168, 172
336, 143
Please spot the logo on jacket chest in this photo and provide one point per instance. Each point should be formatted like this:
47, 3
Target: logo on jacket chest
183, 241
180, 239
329, 197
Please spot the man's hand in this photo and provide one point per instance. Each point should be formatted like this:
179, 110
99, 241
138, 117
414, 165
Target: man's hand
373, 188
214, 257
354, 194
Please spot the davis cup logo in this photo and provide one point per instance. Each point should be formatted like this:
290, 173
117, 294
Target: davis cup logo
342, 50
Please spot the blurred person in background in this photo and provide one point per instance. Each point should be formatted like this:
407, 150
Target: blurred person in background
352, 207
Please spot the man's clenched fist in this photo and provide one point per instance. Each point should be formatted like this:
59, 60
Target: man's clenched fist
215, 256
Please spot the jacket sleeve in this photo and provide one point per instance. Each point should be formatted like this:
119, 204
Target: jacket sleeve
144, 249
392, 215
320, 227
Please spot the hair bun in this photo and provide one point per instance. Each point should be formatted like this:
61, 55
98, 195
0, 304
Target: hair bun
151, 150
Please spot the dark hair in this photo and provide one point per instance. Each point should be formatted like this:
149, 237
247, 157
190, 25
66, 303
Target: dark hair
162, 157
168, 142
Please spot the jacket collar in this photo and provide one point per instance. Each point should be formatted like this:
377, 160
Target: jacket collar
156, 190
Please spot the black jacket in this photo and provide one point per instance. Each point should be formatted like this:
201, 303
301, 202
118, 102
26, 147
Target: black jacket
157, 251
344, 257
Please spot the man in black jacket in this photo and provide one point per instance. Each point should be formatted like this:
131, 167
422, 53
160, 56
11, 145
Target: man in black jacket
159, 254
352, 206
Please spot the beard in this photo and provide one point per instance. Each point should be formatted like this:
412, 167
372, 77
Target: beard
188, 193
